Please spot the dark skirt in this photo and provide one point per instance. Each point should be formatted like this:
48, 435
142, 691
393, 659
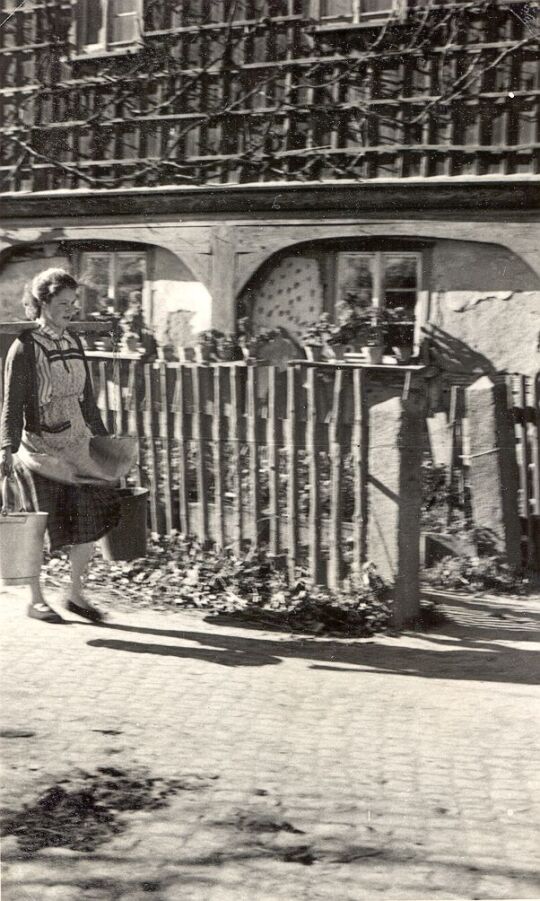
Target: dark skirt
77, 514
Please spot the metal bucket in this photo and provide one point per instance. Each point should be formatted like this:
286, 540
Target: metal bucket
128, 540
21, 542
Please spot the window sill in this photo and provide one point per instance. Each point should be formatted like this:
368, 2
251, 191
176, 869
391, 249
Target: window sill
331, 27
128, 50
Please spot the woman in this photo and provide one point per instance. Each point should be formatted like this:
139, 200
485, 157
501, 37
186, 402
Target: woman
48, 418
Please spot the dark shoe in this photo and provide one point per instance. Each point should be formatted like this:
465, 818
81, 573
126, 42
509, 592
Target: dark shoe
44, 613
95, 616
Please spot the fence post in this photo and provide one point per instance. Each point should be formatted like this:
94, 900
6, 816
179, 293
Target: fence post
493, 467
394, 499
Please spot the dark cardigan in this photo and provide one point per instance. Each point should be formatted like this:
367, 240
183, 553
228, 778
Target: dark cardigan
20, 406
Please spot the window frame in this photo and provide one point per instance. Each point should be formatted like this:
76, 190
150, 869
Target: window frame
378, 290
104, 47
357, 19
113, 256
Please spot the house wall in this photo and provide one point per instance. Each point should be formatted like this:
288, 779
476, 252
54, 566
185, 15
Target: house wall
483, 302
180, 306
482, 272
177, 304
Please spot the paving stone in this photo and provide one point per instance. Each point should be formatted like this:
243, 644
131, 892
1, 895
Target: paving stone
400, 770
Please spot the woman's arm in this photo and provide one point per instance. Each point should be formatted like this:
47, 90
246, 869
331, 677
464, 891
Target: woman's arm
89, 407
15, 387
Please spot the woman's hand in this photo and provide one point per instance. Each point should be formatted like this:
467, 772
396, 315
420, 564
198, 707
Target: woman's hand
6, 462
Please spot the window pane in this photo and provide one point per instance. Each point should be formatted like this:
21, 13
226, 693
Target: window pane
130, 276
95, 279
369, 7
337, 9
123, 25
405, 299
356, 278
90, 22
400, 272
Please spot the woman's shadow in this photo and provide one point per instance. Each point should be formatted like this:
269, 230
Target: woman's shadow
452, 650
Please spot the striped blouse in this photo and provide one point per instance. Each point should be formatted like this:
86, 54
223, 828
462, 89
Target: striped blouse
52, 348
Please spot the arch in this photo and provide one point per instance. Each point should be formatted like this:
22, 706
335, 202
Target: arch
255, 246
177, 302
483, 295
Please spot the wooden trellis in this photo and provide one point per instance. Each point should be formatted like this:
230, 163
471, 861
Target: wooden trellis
258, 91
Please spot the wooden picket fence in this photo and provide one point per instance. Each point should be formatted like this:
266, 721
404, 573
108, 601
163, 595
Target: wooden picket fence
523, 394
524, 402
249, 455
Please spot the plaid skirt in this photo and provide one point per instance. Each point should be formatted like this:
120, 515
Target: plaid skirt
77, 514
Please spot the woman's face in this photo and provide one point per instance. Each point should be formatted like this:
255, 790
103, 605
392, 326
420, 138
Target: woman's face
61, 308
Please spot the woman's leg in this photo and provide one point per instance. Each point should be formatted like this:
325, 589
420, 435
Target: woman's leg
80, 556
36, 594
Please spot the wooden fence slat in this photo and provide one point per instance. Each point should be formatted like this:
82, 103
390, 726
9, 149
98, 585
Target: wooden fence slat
525, 462
450, 472
118, 406
104, 395
236, 461
312, 449
150, 454
219, 473
179, 408
535, 454
165, 437
133, 403
200, 445
253, 452
273, 462
335, 561
359, 458
292, 474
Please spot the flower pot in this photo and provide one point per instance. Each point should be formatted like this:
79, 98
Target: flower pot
203, 353
374, 353
402, 353
313, 352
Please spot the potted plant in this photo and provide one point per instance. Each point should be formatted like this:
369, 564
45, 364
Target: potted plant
359, 328
252, 345
317, 337
206, 345
228, 348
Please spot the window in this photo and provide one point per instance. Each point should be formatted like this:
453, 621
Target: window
356, 11
107, 26
388, 280
108, 280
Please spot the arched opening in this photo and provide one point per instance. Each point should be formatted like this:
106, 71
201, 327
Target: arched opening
113, 274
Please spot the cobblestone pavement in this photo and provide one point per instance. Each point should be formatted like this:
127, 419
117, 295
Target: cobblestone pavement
394, 768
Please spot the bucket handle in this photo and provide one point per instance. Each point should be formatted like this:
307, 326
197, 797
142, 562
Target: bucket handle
7, 490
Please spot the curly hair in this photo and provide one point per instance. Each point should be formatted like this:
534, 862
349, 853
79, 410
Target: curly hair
44, 288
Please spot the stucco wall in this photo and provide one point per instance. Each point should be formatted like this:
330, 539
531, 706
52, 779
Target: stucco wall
485, 306
180, 305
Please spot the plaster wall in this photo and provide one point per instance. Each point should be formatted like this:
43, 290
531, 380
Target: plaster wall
180, 306
485, 306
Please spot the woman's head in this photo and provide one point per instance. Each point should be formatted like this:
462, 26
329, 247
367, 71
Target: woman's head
52, 296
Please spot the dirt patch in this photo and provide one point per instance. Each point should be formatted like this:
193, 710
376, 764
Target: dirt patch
84, 810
